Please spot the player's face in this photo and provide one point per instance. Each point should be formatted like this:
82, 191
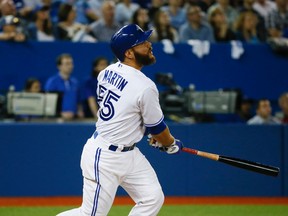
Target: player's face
143, 54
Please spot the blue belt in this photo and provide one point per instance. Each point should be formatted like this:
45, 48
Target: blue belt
128, 148
114, 147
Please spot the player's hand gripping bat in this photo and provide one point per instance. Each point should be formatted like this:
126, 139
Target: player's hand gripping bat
244, 164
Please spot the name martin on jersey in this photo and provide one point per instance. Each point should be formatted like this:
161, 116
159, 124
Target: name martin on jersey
115, 79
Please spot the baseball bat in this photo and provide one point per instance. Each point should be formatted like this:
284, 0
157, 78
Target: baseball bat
244, 164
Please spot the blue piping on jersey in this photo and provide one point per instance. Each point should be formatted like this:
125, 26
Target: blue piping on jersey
155, 124
157, 129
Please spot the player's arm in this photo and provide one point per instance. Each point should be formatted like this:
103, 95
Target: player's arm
161, 134
155, 125
160, 138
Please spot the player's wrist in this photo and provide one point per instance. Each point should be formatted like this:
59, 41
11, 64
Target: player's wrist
175, 147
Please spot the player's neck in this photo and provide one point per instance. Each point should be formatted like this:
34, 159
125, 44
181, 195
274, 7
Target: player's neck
132, 64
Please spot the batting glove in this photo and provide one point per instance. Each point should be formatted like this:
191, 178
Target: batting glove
174, 148
153, 143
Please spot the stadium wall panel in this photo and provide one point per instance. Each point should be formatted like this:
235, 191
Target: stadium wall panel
44, 160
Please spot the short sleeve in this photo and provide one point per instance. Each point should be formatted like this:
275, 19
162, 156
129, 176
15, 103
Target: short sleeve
150, 107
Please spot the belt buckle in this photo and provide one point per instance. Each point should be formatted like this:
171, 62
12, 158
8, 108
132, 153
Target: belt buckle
120, 148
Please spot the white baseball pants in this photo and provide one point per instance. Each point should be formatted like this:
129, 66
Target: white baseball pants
104, 170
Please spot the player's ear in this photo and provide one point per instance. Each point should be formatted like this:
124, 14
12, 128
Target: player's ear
129, 54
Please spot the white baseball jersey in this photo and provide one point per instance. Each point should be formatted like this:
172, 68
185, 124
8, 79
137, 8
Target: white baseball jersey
128, 102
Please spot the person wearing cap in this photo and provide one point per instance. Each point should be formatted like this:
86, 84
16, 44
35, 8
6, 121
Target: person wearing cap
128, 109
9, 25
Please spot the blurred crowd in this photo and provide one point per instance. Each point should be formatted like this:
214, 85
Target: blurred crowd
251, 21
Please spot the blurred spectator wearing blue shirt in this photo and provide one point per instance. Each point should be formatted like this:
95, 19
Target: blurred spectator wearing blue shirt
85, 14
104, 28
68, 86
176, 12
124, 11
196, 28
90, 106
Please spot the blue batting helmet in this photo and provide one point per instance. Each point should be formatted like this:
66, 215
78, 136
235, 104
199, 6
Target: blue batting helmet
126, 38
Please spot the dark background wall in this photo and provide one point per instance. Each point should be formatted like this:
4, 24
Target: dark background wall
43, 160
259, 72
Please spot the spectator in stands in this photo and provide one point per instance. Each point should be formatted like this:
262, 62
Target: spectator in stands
68, 29
196, 28
67, 86
20, 8
32, 85
124, 11
31, 5
261, 29
277, 22
228, 10
141, 18
7, 7
95, 7
54, 6
34, 3
264, 8
176, 13
154, 8
162, 28
85, 14
244, 113
10, 32
248, 6
205, 4
263, 114
246, 28
90, 106
283, 104
104, 28
41, 29
221, 29
23, 9
143, 3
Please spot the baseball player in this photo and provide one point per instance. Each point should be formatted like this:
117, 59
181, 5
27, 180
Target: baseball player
128, 106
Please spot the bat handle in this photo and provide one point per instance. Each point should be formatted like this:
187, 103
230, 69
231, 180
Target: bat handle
201, 153
189, 150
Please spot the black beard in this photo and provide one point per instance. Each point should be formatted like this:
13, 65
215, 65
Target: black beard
142, 59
